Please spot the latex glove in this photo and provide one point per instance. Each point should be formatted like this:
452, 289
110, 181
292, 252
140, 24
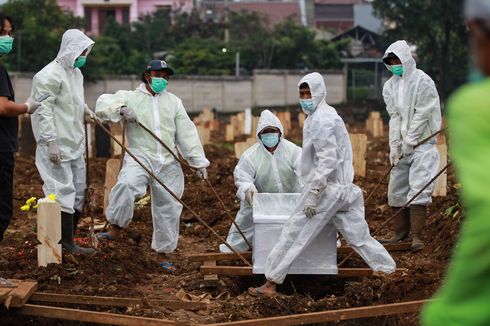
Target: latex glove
128, 114
89, 115
202, 173
249, 196
395, 155
54, 152
32, 105
311, 203
407, 149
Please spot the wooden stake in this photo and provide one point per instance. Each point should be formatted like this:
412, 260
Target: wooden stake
204, 134
111, 173
230, 132
359, 149
48, 234
240, 148
441, 182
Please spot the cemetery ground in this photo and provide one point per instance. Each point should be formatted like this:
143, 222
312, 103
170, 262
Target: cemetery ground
128, 266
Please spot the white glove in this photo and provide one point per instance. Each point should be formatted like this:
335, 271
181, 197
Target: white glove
54, 152
249, 196
202, 173
128, 114
89, 115
407, 149
311, 203
32, 105
395, 155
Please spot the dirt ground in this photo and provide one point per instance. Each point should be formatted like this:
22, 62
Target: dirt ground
128, 267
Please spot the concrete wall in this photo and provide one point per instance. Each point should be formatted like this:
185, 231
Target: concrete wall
227, 94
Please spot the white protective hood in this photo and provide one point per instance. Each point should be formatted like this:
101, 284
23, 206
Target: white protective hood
402, 51
73, 43
317, 88
268, 119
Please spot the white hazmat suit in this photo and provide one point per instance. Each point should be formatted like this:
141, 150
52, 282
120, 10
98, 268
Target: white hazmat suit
326, 166
60, 119
165, 115
412, 102
264, 172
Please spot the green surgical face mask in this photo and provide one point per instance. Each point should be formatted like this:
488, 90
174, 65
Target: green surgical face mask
80, 62
6, 43
397, 70
158, 84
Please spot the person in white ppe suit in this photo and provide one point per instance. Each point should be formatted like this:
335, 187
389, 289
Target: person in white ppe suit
412, 102
58, 127
270, 166
329, 197
163, 113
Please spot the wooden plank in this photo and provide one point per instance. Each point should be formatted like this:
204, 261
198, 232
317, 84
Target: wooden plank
114, 301
4, 293
210, 277
92, 316
48, 234
335, 315
230, 132
247, 270
441, 182
240, 148
218, 256
111, 173
117, 130
359, 150
19, 295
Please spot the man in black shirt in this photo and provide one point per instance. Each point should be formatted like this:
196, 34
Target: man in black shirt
9, 124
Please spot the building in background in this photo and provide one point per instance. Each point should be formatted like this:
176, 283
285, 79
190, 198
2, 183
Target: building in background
96, 12
342, 15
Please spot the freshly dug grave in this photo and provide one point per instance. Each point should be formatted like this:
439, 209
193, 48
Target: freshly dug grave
128, 267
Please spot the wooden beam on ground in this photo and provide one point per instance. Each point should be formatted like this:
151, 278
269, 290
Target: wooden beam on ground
4, 292
210, 277
113, 301
247, 270
19, 295
359, 150
92, 316
48, 234
218, 256
111, 173
335, 315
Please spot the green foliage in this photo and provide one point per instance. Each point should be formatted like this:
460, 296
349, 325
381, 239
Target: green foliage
39, 25
190, 45
437, 29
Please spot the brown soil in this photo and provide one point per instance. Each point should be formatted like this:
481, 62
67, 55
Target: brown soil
128, 267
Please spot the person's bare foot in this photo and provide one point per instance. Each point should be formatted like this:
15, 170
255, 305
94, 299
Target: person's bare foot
163, 262
268, 289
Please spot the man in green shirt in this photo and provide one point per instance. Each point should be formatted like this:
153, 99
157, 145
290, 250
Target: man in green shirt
464, 298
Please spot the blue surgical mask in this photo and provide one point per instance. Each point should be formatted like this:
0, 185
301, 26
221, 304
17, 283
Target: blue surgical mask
306, 105
270, 140
6, 43
158, 84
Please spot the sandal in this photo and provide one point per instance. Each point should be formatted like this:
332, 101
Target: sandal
168, 266
104, 237
255, 292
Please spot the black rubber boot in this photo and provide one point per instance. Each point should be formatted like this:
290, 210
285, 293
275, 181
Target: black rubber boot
401, 225
67, 236
417, 222
76, 220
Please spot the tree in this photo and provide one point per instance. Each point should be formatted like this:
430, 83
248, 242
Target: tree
39, 26
437, 28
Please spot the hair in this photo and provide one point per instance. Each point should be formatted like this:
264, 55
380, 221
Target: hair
143, 79
304, 85
3, 18
484, 26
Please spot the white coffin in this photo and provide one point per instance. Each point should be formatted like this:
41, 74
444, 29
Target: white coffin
270, 213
